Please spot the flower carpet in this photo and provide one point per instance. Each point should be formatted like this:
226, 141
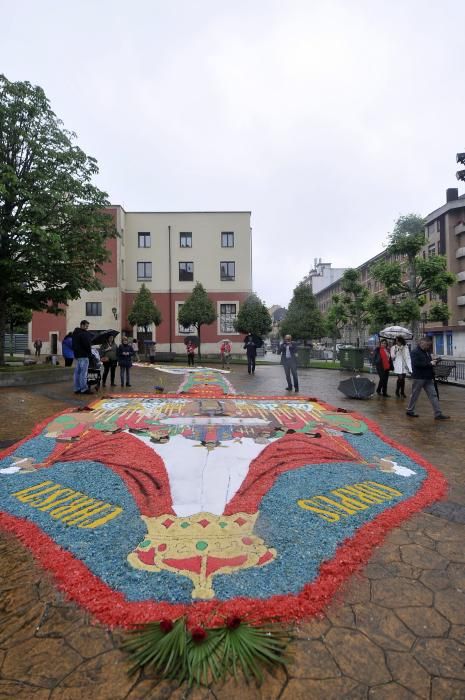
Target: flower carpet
207, 504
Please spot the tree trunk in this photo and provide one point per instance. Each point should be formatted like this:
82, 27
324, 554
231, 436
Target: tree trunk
11, 339
412, 274
198, 349
2, 330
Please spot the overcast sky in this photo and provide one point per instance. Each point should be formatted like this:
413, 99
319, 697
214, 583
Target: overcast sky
326, 119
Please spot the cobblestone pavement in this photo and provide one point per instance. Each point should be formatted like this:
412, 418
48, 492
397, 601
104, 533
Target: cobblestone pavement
397, 629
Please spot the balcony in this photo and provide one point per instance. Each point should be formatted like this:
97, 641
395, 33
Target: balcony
461, 276
460, 228
460, 253
461, 301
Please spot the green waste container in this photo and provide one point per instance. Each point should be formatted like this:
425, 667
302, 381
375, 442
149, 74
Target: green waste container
303, 356
351, 358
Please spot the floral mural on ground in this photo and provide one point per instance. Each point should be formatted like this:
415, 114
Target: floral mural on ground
207, 505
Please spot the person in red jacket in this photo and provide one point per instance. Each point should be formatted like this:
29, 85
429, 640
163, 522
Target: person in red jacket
383, 363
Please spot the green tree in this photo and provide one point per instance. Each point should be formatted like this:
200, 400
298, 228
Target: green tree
144, 311
303, 319
355, 298
381, 312
411, 278
334, 320
198, 310
53, 229
253, 316
16, 318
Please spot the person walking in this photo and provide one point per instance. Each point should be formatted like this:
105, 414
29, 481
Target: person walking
288, 352
400, 356
383, 363
67, 349
135, 347
190, 349
423, 378
82, 350
125, 354
109, 356
37, 347
251, 350
225, 351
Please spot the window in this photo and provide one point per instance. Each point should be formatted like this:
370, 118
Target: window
144, 271
143, 239
122, 269
227, 271
186, 271
93, 308
185, 240
227, 316
227, 239
431, 250
190, 330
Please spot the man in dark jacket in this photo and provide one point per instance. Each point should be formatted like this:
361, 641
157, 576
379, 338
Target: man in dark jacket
251, 349
288, 352
82, 351
423, 378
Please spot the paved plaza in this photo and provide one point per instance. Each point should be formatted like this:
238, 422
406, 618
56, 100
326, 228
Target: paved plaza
396, 630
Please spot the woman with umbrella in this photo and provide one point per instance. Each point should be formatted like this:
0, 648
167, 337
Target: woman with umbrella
400, 355
108, 355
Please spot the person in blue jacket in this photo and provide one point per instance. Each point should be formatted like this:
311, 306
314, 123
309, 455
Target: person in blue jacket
67, 349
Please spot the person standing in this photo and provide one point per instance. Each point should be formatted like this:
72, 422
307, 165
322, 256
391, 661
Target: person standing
423, 378
225, 351
37, 347
124, 355
82, 350
67, 349
108, 355
400, 356
190, 349
383, 363
251, 350
135, 347
288, 352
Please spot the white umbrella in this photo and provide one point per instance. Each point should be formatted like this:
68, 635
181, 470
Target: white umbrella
392, 332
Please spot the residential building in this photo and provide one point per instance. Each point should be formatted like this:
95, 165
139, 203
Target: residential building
169, 252
323, 275
445, 235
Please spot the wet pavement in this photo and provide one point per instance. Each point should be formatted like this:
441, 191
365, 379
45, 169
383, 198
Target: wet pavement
397, 629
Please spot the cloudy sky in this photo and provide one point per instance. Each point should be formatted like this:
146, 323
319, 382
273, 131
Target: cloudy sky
327, 119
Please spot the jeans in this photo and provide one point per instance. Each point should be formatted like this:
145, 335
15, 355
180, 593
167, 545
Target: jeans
290, 366
251, 364
80, 374
428, 386
124, 371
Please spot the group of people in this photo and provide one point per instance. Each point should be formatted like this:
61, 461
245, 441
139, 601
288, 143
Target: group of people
419, 364
110, 354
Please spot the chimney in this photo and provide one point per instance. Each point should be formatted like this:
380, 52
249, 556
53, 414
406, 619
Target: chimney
452, 194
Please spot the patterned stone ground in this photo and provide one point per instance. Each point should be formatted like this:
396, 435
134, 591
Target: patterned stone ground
397, 630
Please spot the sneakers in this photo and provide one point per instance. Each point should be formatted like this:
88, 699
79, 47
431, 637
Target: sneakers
410, 414
441, 417
128, 385
296, 390
288, 388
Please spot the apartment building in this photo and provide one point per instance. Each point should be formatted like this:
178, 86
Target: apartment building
445, 235
322, 275
169, 252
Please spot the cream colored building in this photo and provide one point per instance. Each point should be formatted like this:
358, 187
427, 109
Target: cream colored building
168, 252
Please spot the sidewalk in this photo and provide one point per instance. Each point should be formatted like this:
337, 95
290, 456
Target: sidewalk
396, 631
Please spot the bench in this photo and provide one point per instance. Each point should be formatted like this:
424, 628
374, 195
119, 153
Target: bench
443, 370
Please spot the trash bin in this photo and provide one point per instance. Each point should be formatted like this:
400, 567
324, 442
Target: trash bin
303, 356
351, 358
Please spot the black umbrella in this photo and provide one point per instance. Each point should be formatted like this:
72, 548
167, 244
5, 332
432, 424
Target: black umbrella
257, 341
357, 387
103, 336
192, 339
